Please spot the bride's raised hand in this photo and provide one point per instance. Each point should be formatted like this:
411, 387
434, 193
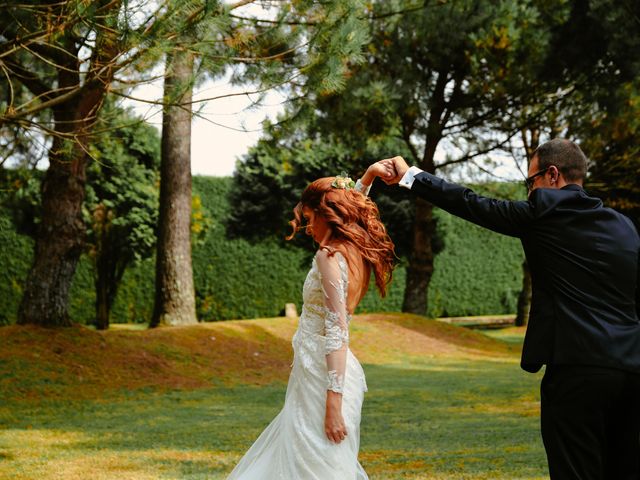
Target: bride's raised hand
334, 425
383, 169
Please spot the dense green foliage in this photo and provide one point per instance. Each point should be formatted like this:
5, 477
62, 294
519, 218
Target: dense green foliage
607, 119
462, 71
122, 188
474, 73
615, 152
478, 271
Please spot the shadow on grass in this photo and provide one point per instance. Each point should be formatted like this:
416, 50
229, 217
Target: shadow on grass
441, 418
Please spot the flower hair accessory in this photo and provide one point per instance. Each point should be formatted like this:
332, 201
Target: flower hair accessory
344, 182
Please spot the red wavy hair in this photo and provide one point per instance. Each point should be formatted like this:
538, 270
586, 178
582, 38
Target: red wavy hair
353, 218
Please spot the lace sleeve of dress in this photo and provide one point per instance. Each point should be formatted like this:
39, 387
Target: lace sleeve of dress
362, 188
333, 272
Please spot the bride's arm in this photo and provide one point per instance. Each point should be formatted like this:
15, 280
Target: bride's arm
336, 339
336, 329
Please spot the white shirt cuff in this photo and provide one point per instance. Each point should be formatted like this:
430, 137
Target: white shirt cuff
409, 177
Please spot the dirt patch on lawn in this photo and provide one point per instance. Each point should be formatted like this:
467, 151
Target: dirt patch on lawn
78, 362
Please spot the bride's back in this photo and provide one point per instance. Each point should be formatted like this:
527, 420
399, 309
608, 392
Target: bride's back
359, 274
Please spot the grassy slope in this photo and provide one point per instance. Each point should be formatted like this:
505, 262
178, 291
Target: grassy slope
444, 402
79, 362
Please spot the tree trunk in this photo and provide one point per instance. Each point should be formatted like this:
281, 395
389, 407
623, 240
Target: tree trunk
175, 293
420, 267
103, 305
107, 283
60, 236
105, 266
59, 240
110, 266
524, 298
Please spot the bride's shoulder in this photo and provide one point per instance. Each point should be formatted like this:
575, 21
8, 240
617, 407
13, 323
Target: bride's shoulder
324, 255
328, 255
329, 251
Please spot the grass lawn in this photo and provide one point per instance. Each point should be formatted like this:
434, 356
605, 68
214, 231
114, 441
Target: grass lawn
185, 403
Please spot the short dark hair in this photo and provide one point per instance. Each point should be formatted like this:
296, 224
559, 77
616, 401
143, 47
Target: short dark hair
564, 154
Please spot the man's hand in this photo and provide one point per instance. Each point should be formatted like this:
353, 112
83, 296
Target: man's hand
399, 167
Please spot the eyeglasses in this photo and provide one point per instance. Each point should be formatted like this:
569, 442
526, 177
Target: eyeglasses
530, 180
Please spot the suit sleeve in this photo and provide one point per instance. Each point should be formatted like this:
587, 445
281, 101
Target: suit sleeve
502, 216
638, 288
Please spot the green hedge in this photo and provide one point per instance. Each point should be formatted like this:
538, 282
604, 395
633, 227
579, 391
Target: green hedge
479, 272
235, 278
15, 259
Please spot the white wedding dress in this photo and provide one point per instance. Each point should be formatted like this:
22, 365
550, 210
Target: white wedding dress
294, 445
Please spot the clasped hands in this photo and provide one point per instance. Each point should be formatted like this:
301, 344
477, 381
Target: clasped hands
389, 170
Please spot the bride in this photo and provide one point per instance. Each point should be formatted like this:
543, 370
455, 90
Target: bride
316, 435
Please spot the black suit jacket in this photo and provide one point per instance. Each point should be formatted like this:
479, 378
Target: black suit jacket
583, 259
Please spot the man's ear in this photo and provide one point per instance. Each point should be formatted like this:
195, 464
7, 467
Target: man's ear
555, 173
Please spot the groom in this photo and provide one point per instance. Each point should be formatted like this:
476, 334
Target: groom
583, 325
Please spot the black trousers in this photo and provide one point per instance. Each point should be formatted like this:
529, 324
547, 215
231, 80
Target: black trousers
591, 423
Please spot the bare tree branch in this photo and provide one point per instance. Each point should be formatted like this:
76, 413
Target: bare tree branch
490, 149
27, 78
207, 99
